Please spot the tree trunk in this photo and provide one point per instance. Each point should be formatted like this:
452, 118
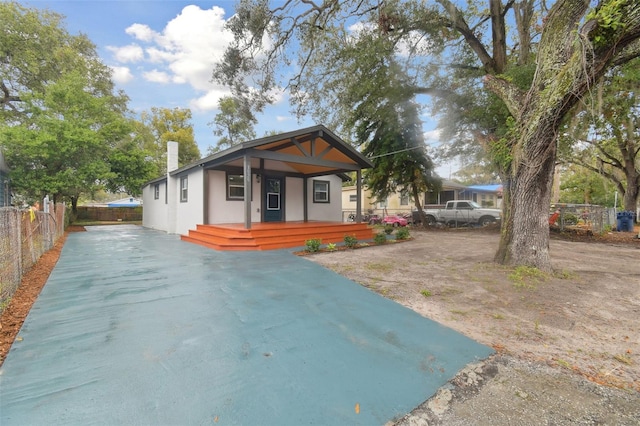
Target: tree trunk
525, 227
565, 72
74, 205
630, 200
416, 199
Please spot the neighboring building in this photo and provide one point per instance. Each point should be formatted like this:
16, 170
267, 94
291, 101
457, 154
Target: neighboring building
400, 202
5, 190
295, 176
125, 202
485, 195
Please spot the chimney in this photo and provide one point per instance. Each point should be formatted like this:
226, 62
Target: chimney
172, 156
172, 187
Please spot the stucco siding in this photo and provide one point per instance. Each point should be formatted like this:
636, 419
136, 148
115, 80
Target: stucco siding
331, 211
190, 212
222, 210
154, 211
294, 209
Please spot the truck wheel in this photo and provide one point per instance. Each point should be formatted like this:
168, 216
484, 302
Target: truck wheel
431, 220
486, 220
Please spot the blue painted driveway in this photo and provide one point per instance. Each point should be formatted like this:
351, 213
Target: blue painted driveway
137, 327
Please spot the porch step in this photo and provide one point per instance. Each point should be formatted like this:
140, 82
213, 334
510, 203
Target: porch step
275, 235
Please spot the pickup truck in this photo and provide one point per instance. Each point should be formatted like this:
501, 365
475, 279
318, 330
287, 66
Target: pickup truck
460, 212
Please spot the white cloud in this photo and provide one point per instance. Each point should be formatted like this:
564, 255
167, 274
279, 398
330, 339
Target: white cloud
432, 137
130, 53
141, 32
209, 101
156, 76
184, 51
281, 118
156, 55
121, 75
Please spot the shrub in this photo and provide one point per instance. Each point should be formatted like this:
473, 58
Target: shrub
426, 293
388, 229
380, 238
331, 247
402, 234
350, 241
313, 245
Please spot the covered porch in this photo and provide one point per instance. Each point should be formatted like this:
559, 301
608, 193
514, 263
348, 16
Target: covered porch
274, 235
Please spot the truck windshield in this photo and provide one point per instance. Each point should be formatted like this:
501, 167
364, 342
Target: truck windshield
475, 205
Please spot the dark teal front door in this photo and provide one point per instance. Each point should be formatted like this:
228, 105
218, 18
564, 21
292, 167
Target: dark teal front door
273, 201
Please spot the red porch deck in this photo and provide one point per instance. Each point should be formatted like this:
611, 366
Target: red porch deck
274, 235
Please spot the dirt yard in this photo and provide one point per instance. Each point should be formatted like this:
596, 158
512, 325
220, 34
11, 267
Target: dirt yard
568, 344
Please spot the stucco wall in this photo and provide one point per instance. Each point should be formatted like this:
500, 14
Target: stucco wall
190, 213
294, 209
154, 212
222, 210
331, 211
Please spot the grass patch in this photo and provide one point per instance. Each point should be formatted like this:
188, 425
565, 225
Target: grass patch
527, 277
379, 266
426, 293
623, 359
564, 275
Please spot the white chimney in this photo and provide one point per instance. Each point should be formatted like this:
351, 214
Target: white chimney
172, 187
172, 156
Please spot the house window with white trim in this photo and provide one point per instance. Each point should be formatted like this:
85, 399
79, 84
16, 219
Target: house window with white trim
353, 198
382, 204
235, 187
320, 191
404, 199
184, 189
156, 191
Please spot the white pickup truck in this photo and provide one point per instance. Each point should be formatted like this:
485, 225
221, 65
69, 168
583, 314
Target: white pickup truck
461, 212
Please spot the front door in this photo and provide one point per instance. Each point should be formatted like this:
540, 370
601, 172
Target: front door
274, 198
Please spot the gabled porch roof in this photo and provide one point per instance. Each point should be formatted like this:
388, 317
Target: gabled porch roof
305, 153
313, 151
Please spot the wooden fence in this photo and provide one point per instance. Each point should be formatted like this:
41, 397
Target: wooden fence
109, 214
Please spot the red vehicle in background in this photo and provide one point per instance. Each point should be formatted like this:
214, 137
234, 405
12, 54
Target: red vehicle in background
394, 220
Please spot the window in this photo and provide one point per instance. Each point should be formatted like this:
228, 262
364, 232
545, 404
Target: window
156, 191
235, 187
353, 198
320, 191
382, 204
184, 189
404, 199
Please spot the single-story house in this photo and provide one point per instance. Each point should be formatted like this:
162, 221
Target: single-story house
125, 202
293, 181
5, 190
398, 202
485, 195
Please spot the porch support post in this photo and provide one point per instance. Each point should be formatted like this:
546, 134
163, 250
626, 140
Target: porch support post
358, 196
247, 191
305, 198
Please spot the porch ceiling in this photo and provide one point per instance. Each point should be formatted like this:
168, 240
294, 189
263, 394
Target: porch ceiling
312, 151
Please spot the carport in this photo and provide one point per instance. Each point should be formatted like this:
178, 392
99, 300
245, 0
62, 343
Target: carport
135, 326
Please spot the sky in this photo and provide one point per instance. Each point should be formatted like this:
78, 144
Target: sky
162, 55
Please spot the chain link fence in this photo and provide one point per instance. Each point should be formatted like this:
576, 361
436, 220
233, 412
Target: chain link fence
25, 235
597, 219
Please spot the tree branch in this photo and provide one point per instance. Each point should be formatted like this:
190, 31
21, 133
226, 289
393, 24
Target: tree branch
508, 92
457, 22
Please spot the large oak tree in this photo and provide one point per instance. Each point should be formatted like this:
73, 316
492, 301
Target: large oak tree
574, 43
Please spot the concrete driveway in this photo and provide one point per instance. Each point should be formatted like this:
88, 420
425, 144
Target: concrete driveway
137, 327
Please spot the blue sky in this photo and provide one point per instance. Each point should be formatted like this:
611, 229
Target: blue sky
162, 55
